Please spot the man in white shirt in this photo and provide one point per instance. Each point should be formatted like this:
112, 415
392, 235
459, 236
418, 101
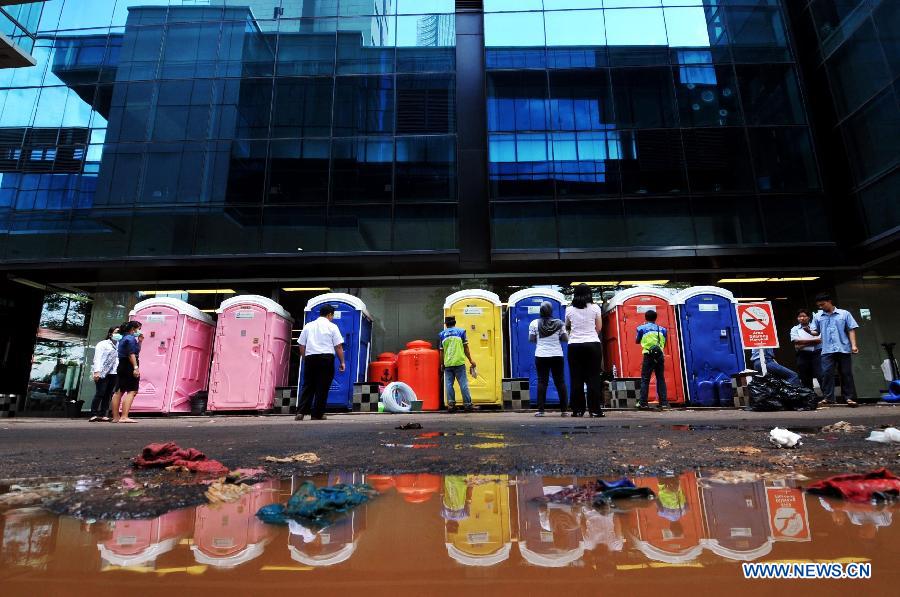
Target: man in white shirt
319, 342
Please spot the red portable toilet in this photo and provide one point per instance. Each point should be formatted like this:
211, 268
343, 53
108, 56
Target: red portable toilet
140, 542
251, 354
419, 366
622, 314
174, 356
229, 534
671, 530
383, 370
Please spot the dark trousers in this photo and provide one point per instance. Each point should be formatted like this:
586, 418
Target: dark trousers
843, 364
318, 373
103, 392
586, 367
809, 367
545, 366
658, 368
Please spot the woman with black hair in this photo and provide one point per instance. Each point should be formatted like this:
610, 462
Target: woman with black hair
584, 320
548, 335
129, 374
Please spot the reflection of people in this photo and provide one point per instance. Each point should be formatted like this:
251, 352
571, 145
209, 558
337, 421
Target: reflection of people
808, 343
671, 501
456, 498
548, 334
128, 374
838, 331
652, 338
103, 371
454, 348
58, 378
773, 367
584, 320
319, 342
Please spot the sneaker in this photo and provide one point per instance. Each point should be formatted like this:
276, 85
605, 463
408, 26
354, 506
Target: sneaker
642, 407
451, 409
564, 414
469, 408
299, 417
94, 420
539, 413
852, 403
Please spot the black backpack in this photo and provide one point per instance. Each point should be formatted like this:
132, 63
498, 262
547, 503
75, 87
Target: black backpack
656, 352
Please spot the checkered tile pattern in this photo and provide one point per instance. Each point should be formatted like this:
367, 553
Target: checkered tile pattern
739, 384
285, 401
8, 404
366, 397
624, 392
516, 394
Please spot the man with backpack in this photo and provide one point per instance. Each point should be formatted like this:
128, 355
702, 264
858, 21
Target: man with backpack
652, 338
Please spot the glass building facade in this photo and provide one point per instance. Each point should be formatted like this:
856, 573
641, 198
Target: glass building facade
853, 49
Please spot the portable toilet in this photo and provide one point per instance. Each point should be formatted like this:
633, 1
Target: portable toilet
478, 312
175, 354
484, 537
737, 520
252, 354
229, 534
524, 307
140, 542
622, 315
711, 349
355, 323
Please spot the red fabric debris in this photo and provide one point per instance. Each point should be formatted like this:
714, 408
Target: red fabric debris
171, 454
878, 485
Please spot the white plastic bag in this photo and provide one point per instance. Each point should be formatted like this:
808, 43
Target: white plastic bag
888, 436
784, 438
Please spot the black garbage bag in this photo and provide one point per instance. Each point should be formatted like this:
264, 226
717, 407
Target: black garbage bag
771, 394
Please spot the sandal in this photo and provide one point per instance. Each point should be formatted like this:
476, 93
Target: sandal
94, 419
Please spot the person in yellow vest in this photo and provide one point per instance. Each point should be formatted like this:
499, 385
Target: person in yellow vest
652, 338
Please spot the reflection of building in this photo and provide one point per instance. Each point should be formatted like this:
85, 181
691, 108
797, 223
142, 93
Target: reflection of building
18, 20
483, 538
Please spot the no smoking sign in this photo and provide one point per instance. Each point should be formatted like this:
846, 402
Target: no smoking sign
757, 323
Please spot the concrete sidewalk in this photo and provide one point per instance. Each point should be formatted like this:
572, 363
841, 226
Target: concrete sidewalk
623, 441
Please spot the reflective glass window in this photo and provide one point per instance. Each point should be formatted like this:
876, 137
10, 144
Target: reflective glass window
366, 44
293, 230
783, 159
298, 171
880, 204
686, 27
414, 7
644, 97
162, 232
580, 101
363, 105
575, 28
887, 21
254, 107
726, 221
659, 222
873, 136
359, 228
520, 166
636, 27
652, 162
305, 47
591, 224
425, 43
792, 220
586, 164
228, 230
37, 235
770, 94
517, 101
302, 107
857, 69
707, 95
99, 233
426, 104
517, 29
523, 226
426, 169
362, 170
512, 5
425, 228
717, 160
757, 34
247, 172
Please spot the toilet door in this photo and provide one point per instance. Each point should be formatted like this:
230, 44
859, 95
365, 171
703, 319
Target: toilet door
161, 327
479, 318
238, 366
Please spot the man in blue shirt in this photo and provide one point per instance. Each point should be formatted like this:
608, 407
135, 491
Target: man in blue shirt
837, 329
652, 338
773, 367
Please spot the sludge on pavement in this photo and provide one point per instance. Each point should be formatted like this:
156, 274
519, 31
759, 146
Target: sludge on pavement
429, 533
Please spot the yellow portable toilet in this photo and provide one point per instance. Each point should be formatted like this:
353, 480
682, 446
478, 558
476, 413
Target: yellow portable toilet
480, 534
479, 313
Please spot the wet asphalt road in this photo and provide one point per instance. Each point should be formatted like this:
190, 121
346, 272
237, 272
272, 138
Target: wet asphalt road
482, 442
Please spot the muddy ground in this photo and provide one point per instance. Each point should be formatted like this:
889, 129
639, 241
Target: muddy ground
482, 442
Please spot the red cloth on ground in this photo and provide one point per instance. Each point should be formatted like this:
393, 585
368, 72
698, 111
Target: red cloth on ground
860, 488
171, 454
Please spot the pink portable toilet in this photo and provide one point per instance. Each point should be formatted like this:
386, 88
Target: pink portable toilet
140, 542
251, 354
174, 355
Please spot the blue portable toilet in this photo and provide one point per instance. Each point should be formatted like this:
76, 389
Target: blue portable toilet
355, 323
711, 349
524, 307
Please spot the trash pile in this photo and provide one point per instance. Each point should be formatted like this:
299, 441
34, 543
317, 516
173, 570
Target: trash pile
171, 456
768, 394
305, 458
878, 486
320, 506
842, 427
600, 493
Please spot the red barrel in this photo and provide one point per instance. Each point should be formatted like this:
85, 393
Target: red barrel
417, 489
419, 366
383, 370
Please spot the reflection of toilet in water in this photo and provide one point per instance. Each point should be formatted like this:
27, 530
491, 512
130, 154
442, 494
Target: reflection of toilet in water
140, 542
483, 538
549, 534
335, 543
737, 520
230, 534
417, 489
671, 530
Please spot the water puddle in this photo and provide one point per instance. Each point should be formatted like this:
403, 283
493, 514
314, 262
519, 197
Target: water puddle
433, 534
